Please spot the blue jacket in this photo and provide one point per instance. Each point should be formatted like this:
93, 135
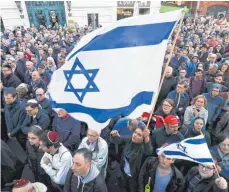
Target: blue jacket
214, 106
175, 62
191, 68
69, 130
122, 127
183, 103
225, 169
46, 105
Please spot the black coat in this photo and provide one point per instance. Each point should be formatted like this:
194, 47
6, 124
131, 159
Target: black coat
40, 83
96, 185
14, 117
21, 69
34, 155
11, 81
41, 119
203, 57
205, 185
149, 168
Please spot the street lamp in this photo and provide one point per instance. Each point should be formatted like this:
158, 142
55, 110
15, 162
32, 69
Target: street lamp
18, 3
69, 5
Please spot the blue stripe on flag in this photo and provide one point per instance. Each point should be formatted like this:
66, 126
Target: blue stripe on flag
196, 141
102, 115
178, 153
130, 36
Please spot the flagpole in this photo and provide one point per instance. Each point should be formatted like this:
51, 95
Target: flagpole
166, 65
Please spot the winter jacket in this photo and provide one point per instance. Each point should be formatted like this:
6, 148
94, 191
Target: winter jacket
46, 77
176, 62
28, 77
137, 152
149, 168
99, 153
224, 165
169, 84
59, 165
181, 101
11, 81
205, 185
69, 130
189, 114
21, 69
14, 117
222, 125
214, 106
202, 56
191, 68
196, 87
41, 119
46, 106
37, 84
74, 183
160, 137
34, 155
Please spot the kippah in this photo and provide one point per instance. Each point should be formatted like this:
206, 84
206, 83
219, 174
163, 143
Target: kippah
53, 136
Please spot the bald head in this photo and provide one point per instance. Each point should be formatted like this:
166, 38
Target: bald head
168, 71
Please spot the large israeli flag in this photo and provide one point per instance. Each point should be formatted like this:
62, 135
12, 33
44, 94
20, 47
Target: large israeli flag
114, 70
191, 149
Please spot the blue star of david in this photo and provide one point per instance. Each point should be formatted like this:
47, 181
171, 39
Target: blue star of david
89, 75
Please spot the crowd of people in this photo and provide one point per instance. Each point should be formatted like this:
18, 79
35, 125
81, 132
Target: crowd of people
65, 154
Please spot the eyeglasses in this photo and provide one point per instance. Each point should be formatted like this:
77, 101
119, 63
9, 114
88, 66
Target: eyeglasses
205, 168
224, 145
138, 134
31, 138
39, 95
93, 136
166, 105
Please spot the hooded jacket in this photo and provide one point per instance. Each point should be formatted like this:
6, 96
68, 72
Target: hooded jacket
176, 184
189, 131
214, 105
93, 182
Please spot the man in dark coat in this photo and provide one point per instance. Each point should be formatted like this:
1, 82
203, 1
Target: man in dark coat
14, 116
35, 116
167, 134
203, 54
44, 101
164, 175
168, 85
10, 80
84, 176
204, 178
21, 66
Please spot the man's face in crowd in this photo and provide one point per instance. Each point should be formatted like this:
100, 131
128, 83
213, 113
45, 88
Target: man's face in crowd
195, 59
224, 68
165, 162
219, 79
6, 71
20, 56
40, 95
33, 139
80, 166
9, 98
206, 171
41, 70
180, 88
199, 74
29, 66
92, 136
172, 129
31, 111
35, 76
44, 148
137, 136
168, 72
215, 92
182, 73
50, 51
224, 146
62, 113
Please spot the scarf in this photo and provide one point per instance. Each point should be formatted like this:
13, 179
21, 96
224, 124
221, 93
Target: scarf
224, 159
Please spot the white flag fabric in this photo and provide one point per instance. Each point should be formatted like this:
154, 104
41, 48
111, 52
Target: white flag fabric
114, 70
191, 149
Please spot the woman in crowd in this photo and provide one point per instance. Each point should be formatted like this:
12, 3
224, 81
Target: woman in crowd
220, 153
166, 108
34, 155
196, 127
51, 65
196, 110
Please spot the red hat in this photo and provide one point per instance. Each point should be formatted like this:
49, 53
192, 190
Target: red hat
159, 121
53, 136
172, 120
21, 183
145, 115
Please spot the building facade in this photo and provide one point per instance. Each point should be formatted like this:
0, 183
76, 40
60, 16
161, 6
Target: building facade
94, 13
